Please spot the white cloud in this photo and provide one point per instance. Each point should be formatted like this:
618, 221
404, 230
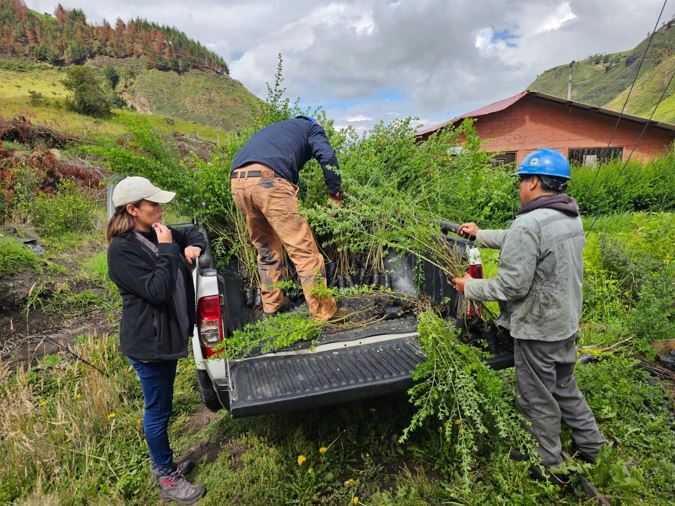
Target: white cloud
357, 118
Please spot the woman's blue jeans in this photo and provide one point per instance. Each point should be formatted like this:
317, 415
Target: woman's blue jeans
157, 384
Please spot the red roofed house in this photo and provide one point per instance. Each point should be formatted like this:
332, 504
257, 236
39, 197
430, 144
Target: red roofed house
530, 120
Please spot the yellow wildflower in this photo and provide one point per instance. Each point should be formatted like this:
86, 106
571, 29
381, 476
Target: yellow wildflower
112, 415
301, 459
356, 499
42, 402
310, 470
350, 483
323, 450
461, 431
458, 421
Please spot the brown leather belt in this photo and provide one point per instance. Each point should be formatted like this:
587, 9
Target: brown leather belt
244, 174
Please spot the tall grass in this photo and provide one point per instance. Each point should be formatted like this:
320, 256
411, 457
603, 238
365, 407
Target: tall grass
70, 430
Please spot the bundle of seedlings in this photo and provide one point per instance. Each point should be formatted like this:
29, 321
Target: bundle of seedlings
464, 404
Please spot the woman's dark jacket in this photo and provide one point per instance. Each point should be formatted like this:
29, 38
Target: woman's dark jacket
150, 329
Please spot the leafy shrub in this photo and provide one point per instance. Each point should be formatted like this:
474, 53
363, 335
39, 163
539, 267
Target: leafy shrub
613, 187
36, 98
628, 283
68, 210
87, 96
18, 184
653, 316
14, 256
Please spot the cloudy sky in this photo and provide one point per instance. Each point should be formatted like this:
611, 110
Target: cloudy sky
370, 60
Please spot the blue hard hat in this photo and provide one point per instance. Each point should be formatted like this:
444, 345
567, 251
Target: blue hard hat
545, 162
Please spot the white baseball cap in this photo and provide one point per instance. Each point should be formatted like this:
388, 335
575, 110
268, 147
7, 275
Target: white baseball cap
135, 188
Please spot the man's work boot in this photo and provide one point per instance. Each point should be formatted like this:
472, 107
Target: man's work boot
184, 466
176, 488
285, 306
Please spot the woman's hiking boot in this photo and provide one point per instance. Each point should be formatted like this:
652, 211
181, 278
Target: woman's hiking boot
184, 466
176, 488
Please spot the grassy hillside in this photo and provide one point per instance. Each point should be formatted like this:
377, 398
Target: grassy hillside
603, 79
646, 93
199, 96
231, 105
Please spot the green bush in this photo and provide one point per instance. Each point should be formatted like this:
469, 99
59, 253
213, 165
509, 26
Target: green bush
14, 256
629, 275
18, 184
87, 95
619, 188
68, 210
653, 316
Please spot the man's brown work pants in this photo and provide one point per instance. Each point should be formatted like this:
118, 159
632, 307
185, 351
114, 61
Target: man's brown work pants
270, 205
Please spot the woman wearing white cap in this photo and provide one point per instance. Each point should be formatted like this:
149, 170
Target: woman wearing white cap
148, 262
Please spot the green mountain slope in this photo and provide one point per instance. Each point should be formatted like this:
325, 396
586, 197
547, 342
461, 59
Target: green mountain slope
198, 96
604, 80
647, 91
46, 105
161, 71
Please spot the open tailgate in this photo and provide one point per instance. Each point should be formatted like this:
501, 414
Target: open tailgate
347, 368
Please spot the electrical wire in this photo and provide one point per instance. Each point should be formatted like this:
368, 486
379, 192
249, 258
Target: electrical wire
630, 90
644, 129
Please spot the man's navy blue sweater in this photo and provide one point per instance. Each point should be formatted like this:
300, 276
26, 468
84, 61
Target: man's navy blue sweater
287, 146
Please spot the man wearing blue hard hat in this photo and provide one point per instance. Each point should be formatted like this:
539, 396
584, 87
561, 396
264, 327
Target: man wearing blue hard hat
539, 289
264, 177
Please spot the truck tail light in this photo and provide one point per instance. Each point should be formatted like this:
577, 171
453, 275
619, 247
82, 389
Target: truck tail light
475, 271
210, 323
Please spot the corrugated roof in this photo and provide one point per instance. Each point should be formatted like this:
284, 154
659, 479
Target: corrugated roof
505, 103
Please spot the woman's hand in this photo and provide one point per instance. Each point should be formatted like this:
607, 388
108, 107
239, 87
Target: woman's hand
163, 233
192, 253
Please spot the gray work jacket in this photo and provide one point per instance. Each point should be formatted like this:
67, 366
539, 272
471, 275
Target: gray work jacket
539, 278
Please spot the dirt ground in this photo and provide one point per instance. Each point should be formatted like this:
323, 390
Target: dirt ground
28, 329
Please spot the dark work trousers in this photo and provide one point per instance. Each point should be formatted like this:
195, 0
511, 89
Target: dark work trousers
157, 384
548, 393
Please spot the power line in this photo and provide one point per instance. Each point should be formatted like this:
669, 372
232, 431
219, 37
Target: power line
630, 90
644, 129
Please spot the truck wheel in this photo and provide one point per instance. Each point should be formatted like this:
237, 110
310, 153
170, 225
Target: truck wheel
206, 391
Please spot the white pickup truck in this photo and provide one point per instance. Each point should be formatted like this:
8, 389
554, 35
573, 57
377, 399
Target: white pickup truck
347, 365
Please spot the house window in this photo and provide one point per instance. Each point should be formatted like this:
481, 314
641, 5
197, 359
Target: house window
508, 157
593, 156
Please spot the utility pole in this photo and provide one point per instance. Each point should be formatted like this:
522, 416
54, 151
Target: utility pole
569, 81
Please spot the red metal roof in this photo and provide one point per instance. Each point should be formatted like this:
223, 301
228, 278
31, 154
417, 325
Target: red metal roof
500, 105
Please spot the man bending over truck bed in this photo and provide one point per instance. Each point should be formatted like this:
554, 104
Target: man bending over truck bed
264, 177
